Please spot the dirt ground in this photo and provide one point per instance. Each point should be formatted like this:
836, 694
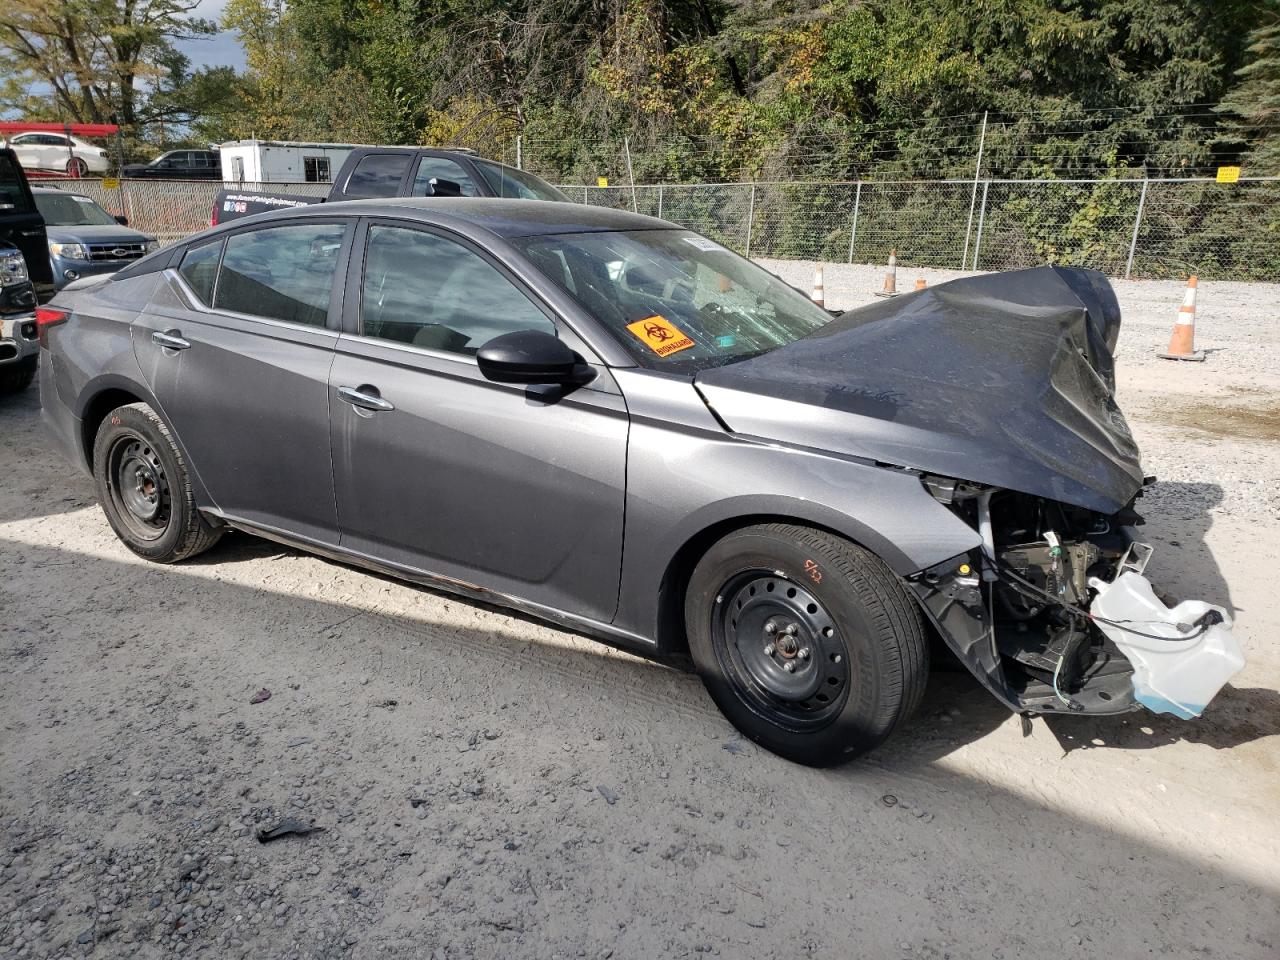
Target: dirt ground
493, 787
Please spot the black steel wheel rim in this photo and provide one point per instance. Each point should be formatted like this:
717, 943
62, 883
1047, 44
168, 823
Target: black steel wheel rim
781, 649
139, 487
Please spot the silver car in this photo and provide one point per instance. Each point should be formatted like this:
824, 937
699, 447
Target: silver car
620, 426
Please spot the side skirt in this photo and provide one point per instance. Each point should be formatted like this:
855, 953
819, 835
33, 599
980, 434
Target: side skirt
592, 629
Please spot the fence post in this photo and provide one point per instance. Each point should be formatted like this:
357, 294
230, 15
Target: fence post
659, 201
982, 218
853, 231
973, 197
751, 216
1137, 225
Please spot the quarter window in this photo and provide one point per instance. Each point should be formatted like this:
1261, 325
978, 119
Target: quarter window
199, 267
424, 290
282, 273
377, 175
441, 168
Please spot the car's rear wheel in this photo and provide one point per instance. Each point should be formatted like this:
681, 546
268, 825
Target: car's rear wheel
16, 377
145, 489
808, 643
77, 167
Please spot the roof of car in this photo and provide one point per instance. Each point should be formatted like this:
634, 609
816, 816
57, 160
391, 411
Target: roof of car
503, 217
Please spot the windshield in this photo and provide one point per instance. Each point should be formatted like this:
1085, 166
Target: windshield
70, 210
510, 182
675, 300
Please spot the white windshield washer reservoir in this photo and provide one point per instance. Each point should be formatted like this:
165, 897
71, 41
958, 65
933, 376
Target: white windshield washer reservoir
1179, 667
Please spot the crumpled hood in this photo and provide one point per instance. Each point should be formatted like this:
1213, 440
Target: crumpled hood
1005, 379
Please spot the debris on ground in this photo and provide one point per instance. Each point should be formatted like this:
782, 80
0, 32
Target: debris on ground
288, 826
261, 696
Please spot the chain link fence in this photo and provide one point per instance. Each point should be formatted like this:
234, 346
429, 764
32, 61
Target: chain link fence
1138, 228
1125, 228
170, 209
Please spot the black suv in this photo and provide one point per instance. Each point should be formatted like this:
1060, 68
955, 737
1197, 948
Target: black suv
179, 165
24, 265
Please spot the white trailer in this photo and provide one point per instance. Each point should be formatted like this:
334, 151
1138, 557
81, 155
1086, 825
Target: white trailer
277, 161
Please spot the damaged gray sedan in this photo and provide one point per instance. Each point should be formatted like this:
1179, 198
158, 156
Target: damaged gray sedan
620, 426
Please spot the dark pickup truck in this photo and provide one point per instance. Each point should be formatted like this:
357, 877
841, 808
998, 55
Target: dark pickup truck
370, 172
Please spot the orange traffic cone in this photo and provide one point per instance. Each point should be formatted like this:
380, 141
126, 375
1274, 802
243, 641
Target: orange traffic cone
920, 284
890, 276
1182, 343
818, 296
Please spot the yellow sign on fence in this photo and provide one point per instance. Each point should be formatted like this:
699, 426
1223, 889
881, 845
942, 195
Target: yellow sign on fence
110, 183
602, 181
1228, 174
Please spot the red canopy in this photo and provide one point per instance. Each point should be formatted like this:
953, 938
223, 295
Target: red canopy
70, 129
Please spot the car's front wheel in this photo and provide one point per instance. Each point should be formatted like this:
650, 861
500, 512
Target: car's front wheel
145, 489
808, 643
77, 167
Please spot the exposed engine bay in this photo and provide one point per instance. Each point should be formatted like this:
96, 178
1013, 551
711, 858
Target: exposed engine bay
1054, 613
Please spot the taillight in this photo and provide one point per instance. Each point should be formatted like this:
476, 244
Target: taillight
213, 216
48, 318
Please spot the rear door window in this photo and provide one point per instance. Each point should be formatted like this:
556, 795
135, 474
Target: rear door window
377, 175
441, 168
281, 273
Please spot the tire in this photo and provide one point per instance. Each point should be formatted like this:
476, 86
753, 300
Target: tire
858, 655
16, 377
77, 167
144, 487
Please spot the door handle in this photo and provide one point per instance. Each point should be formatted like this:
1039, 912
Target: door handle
171, 339
361, 397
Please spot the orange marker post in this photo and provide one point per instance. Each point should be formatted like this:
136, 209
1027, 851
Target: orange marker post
890, 276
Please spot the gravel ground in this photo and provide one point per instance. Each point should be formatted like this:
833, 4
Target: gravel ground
489, 786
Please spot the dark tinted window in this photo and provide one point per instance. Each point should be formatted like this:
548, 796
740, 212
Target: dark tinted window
13, 199
199, 266
377, 175
441, 168
283, 273
431, 292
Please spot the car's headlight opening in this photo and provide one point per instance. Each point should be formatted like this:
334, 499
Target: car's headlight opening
68, 251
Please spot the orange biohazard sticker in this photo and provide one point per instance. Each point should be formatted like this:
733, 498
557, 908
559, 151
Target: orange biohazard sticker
660, 336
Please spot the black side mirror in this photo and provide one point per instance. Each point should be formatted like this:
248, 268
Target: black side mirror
529, 356
122, 220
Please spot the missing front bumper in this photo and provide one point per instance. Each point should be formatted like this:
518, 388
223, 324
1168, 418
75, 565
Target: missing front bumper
1177, 669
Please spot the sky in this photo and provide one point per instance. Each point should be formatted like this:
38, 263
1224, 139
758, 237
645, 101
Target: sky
222, 50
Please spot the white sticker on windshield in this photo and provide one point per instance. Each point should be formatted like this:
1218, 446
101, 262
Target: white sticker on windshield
702, 243
81, 199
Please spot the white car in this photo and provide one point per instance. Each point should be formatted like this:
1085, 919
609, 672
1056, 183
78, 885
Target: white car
56, 151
